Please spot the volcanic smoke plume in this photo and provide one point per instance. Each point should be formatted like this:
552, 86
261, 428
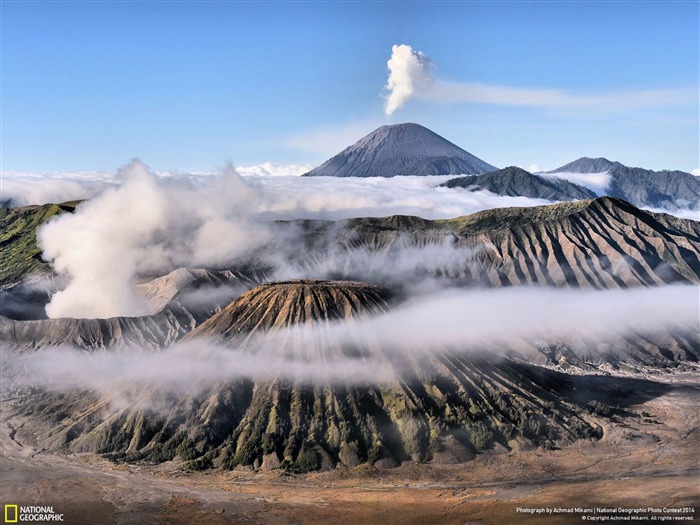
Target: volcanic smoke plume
409, 71
146, 225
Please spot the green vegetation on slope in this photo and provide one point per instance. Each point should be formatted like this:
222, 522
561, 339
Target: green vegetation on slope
496, 219
19, 253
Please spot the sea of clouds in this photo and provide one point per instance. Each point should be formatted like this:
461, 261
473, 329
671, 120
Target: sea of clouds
141, 222
138, 222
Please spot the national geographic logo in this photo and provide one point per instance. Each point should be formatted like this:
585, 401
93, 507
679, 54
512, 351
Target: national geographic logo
11, 513
20, 514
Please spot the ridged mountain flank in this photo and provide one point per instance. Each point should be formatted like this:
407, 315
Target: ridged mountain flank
437, 403
595, 243
401, 149
179, 301
442, 406
276, 305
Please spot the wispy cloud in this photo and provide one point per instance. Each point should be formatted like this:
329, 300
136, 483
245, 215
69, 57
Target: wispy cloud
596, 182
456, 92
410, 77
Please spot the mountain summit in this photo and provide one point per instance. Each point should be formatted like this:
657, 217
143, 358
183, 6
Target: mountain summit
402, 149
273, 306
588, 165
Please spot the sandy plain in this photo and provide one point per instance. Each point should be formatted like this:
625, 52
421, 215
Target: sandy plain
642, 461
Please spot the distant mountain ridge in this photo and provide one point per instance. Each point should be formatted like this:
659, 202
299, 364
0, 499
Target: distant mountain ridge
665, 189
514, 181
401, 149
586, 178
588, 165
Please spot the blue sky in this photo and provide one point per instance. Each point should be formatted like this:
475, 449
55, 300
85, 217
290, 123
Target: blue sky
191, 85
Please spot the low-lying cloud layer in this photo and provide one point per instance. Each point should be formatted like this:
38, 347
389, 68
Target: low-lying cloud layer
149, 224
335, 198
24, 189
27, 188
142, 223
468, 318
376, 349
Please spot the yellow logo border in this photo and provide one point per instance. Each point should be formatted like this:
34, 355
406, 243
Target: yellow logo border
7, 518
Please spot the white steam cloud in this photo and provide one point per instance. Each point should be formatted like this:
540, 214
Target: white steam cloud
405, 264
145, 225
409, 72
